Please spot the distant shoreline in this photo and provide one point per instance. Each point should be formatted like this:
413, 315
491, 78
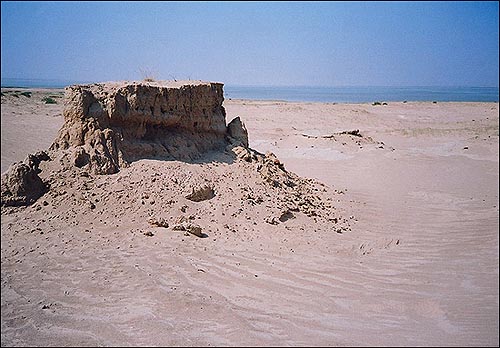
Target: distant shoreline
280, 101
340, 95
273, 101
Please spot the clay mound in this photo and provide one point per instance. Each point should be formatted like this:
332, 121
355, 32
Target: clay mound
109, 125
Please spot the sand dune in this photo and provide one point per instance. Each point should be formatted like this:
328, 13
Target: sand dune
411, 258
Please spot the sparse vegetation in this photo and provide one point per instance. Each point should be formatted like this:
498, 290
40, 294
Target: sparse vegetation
147, 75
376, 103
26, 94
49, 100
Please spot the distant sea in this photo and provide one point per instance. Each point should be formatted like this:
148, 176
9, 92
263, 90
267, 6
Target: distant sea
363, 94
320, 94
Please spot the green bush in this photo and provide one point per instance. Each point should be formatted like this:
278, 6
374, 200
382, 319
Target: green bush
26, 94
49, 100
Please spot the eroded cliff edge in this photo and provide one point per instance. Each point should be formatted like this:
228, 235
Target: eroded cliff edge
109, 125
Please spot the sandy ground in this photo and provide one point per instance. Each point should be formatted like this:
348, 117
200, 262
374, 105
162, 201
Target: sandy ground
28, 124
419, 265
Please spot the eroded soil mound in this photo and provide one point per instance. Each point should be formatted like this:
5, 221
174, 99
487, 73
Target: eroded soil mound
109, 125
201, 169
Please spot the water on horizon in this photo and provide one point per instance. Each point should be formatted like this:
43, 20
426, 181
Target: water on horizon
346, 94
363, 94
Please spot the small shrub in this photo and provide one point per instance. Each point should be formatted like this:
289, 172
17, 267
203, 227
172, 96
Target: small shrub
376, 103
49, 100
147, 74
26, 94
384, 103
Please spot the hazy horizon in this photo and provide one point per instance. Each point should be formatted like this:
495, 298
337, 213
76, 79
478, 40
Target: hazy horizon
290, 44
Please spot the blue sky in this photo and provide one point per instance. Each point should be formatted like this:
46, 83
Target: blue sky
255, 43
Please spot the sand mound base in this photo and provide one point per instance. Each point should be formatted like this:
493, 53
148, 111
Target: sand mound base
152, 193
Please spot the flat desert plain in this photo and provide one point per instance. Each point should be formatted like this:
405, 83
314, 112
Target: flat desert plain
416, 184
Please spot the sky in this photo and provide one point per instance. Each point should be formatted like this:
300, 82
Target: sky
254, 43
